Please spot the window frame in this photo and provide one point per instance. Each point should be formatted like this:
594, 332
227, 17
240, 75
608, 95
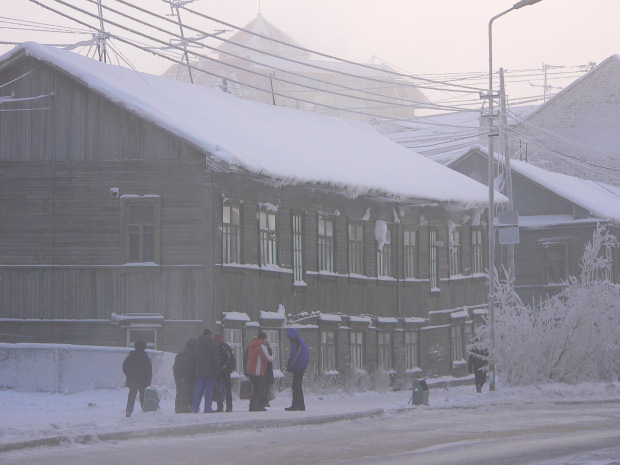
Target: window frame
549, 262
385, 257
267, 237
326, 243
355, 248
297, 245
135, 329
273, 338
412, 349
234, 338
477, 250
457, 345
455, 251
127, 202
231, 231
433, 258
356, 349
328, 351
385, 350
410, 254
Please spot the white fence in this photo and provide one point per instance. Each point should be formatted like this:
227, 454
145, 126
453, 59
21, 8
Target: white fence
72, 368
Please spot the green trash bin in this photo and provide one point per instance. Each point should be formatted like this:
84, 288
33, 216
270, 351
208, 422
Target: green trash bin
419, 392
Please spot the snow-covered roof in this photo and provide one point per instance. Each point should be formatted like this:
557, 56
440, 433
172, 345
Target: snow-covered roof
286, 145
601, 200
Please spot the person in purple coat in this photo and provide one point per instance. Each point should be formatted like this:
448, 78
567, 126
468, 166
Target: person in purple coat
297, 363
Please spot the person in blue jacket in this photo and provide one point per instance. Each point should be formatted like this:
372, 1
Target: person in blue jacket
297, 364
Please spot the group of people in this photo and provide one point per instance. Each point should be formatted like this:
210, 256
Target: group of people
203, 370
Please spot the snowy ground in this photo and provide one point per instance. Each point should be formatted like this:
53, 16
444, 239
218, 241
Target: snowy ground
37, 415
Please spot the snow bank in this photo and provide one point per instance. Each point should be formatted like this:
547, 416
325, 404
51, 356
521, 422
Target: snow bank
70, 368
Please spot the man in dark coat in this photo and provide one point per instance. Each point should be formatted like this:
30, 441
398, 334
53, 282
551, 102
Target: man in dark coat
207, 369
138, 372
478, 358
228, 364
184, 378
297, 363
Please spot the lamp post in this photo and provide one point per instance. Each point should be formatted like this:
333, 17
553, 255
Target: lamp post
491, 180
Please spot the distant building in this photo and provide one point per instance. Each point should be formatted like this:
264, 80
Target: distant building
255, 64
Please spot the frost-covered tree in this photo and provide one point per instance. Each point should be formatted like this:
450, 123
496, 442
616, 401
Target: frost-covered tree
571, 337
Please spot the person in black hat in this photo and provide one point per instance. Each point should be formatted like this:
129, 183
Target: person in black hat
207, 369
138, 372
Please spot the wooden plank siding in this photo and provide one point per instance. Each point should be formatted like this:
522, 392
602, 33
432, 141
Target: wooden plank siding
62, 240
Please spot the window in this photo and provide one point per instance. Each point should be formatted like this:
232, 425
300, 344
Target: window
612, 255
356, 249
142, 227
274, 343
556, 263
409, 253
432, 258
476, 251
138, 333
231, 234
357, 349
268, 245
298, 250
234, 338
384, 255
326, 244
455, 252
385, 350
411, 350
328, 351
456, 340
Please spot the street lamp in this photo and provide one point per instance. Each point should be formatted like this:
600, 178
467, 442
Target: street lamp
491, 180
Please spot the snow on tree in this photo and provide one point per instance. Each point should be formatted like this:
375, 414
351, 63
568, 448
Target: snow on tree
571, 337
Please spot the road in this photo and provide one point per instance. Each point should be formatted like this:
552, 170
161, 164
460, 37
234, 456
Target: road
493, 434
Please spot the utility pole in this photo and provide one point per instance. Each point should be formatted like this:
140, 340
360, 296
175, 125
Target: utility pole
174, 8
507, 170
101, 36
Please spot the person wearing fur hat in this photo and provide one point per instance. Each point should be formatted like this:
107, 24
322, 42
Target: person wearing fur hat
138, 372
257, 360
297, 363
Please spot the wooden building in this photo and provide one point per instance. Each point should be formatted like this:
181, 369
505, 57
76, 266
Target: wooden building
136, 207
558, 215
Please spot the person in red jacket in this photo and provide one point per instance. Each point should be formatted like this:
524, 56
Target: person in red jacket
257, 360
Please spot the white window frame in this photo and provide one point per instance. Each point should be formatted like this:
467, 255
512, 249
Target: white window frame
433, 259
456, 343
134, 330
384, 347
273, 338
231, 234
454, 252
298, 247
356, 346
132, 228
410, 249
234, 338
553, 264
267, 238
477, 250
328, 351
325, 244
412, 351
356, 248
384, 255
